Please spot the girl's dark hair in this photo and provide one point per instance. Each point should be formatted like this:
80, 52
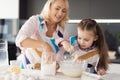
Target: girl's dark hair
91, 25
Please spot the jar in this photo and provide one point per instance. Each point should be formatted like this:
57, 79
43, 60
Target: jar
48, 63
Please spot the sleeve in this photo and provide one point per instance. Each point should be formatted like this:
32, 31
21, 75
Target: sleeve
27, 30
63, 35
96, 66
73, 40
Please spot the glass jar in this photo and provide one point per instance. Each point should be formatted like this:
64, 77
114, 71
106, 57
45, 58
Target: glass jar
4, 52
48, 63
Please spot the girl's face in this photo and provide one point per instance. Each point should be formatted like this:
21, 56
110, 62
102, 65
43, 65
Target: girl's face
86, 38
58, 11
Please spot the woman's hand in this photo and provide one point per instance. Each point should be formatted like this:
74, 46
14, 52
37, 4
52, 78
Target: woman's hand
48, 52
46, 47
57, 65
49, 57
101, 71
67, 46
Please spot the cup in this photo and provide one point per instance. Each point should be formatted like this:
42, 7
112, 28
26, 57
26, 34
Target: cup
14, 63
15, 66
4, 52
48, 63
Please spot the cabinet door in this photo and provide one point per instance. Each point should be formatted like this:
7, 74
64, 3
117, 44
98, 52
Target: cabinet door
105, 9
79, 9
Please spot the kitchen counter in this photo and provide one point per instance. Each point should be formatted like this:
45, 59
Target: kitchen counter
112, 74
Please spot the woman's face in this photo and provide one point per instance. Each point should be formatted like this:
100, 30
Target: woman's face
58, 11
86, 38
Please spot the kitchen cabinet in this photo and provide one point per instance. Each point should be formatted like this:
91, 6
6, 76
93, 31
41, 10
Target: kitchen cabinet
105, 9
99, 9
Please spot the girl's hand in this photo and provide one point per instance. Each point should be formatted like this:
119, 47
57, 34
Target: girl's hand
67, 46
101, 71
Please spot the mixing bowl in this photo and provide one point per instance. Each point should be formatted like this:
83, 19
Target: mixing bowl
72, 69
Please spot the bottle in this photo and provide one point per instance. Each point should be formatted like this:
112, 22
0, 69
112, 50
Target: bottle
3, 52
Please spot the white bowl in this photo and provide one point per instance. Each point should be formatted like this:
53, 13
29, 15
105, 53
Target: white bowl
72, 69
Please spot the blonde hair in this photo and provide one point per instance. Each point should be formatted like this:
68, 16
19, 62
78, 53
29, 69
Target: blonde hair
46, 12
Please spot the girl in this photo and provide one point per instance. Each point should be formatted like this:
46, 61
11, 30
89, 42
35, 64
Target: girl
91, 38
